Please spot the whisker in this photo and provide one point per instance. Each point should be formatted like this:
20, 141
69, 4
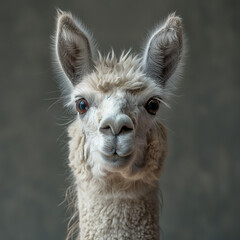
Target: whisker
57, 101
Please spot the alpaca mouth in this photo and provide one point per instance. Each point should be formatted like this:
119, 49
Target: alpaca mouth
115, 160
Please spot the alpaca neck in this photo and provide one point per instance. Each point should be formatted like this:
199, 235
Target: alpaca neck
107, 216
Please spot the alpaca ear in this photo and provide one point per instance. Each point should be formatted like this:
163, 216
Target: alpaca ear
164, 51
74, 47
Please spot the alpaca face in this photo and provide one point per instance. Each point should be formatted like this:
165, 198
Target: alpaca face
119, 123
118, 101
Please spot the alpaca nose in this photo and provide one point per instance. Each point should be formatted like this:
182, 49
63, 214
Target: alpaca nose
116, 125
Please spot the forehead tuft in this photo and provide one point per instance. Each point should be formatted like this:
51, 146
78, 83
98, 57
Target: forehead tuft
124, 73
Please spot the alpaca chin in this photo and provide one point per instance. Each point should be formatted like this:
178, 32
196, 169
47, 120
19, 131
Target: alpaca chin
103, 166
115, 161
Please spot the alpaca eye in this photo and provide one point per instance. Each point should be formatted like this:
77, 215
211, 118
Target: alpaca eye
152, 106
82, 105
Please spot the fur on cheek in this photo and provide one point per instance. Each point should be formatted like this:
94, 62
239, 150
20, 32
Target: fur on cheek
77, 152
155, 154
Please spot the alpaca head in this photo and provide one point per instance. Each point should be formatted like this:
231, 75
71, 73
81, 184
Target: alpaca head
117, 101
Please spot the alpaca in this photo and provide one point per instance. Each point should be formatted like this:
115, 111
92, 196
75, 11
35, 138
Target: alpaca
117, 141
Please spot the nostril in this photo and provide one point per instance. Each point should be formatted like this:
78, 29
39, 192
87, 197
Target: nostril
105, 127
125, 129
116, 125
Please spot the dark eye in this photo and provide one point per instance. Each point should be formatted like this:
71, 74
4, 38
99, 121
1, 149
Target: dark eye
82, 105
152, 106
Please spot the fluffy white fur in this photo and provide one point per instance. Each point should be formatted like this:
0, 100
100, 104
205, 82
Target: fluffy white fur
117, 148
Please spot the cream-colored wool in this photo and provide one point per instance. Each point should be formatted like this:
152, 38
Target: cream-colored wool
117, 141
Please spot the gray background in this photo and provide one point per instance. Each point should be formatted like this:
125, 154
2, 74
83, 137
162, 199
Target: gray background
200, 183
